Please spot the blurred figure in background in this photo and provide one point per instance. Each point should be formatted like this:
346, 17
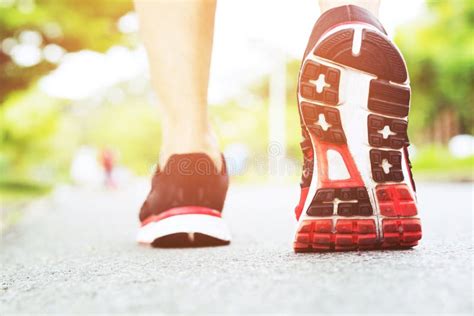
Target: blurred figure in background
107, 161
349, 62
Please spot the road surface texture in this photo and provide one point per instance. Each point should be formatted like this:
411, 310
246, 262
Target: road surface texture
74, 252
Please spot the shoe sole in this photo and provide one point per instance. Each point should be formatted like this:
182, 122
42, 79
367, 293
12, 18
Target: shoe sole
354, 100
185, 227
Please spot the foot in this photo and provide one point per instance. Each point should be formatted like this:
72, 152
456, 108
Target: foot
184, 206
357, 190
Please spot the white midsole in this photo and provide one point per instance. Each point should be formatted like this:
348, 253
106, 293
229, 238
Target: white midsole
187, 223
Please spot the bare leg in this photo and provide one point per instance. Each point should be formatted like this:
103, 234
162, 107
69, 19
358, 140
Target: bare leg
371, 5
178, 38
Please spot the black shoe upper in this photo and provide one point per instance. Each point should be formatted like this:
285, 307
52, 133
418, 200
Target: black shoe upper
186, 180
339, 15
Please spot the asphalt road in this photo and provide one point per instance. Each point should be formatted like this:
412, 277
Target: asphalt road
75, 253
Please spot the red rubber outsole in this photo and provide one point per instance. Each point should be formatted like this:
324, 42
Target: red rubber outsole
356, 234
400, 233
345, 234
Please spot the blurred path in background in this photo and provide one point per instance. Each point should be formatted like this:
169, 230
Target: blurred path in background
75, 252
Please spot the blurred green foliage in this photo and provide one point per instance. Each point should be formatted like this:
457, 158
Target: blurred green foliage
71, 24
134, 132
435, 162
439, 50
35, 141
19, 190
27, 123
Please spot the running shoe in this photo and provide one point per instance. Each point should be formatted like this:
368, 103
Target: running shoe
184, 206
357, 190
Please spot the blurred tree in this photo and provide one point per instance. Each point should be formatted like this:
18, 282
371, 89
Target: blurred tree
27, 120
27, 27
33, 37
439, 50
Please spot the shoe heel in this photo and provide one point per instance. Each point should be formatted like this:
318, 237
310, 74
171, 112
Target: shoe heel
336, 234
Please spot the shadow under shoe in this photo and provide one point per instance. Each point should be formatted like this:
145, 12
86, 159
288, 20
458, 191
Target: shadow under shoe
186, 240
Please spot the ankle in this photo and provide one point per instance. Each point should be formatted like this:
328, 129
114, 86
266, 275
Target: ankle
186, 141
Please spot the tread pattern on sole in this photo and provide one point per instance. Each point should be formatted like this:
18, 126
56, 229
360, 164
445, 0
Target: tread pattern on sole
395, 200
398, 132
377, 160
312, 72
377, 55
389, 99
341, 213
350, 202
347, 234
313, 114
400, 233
